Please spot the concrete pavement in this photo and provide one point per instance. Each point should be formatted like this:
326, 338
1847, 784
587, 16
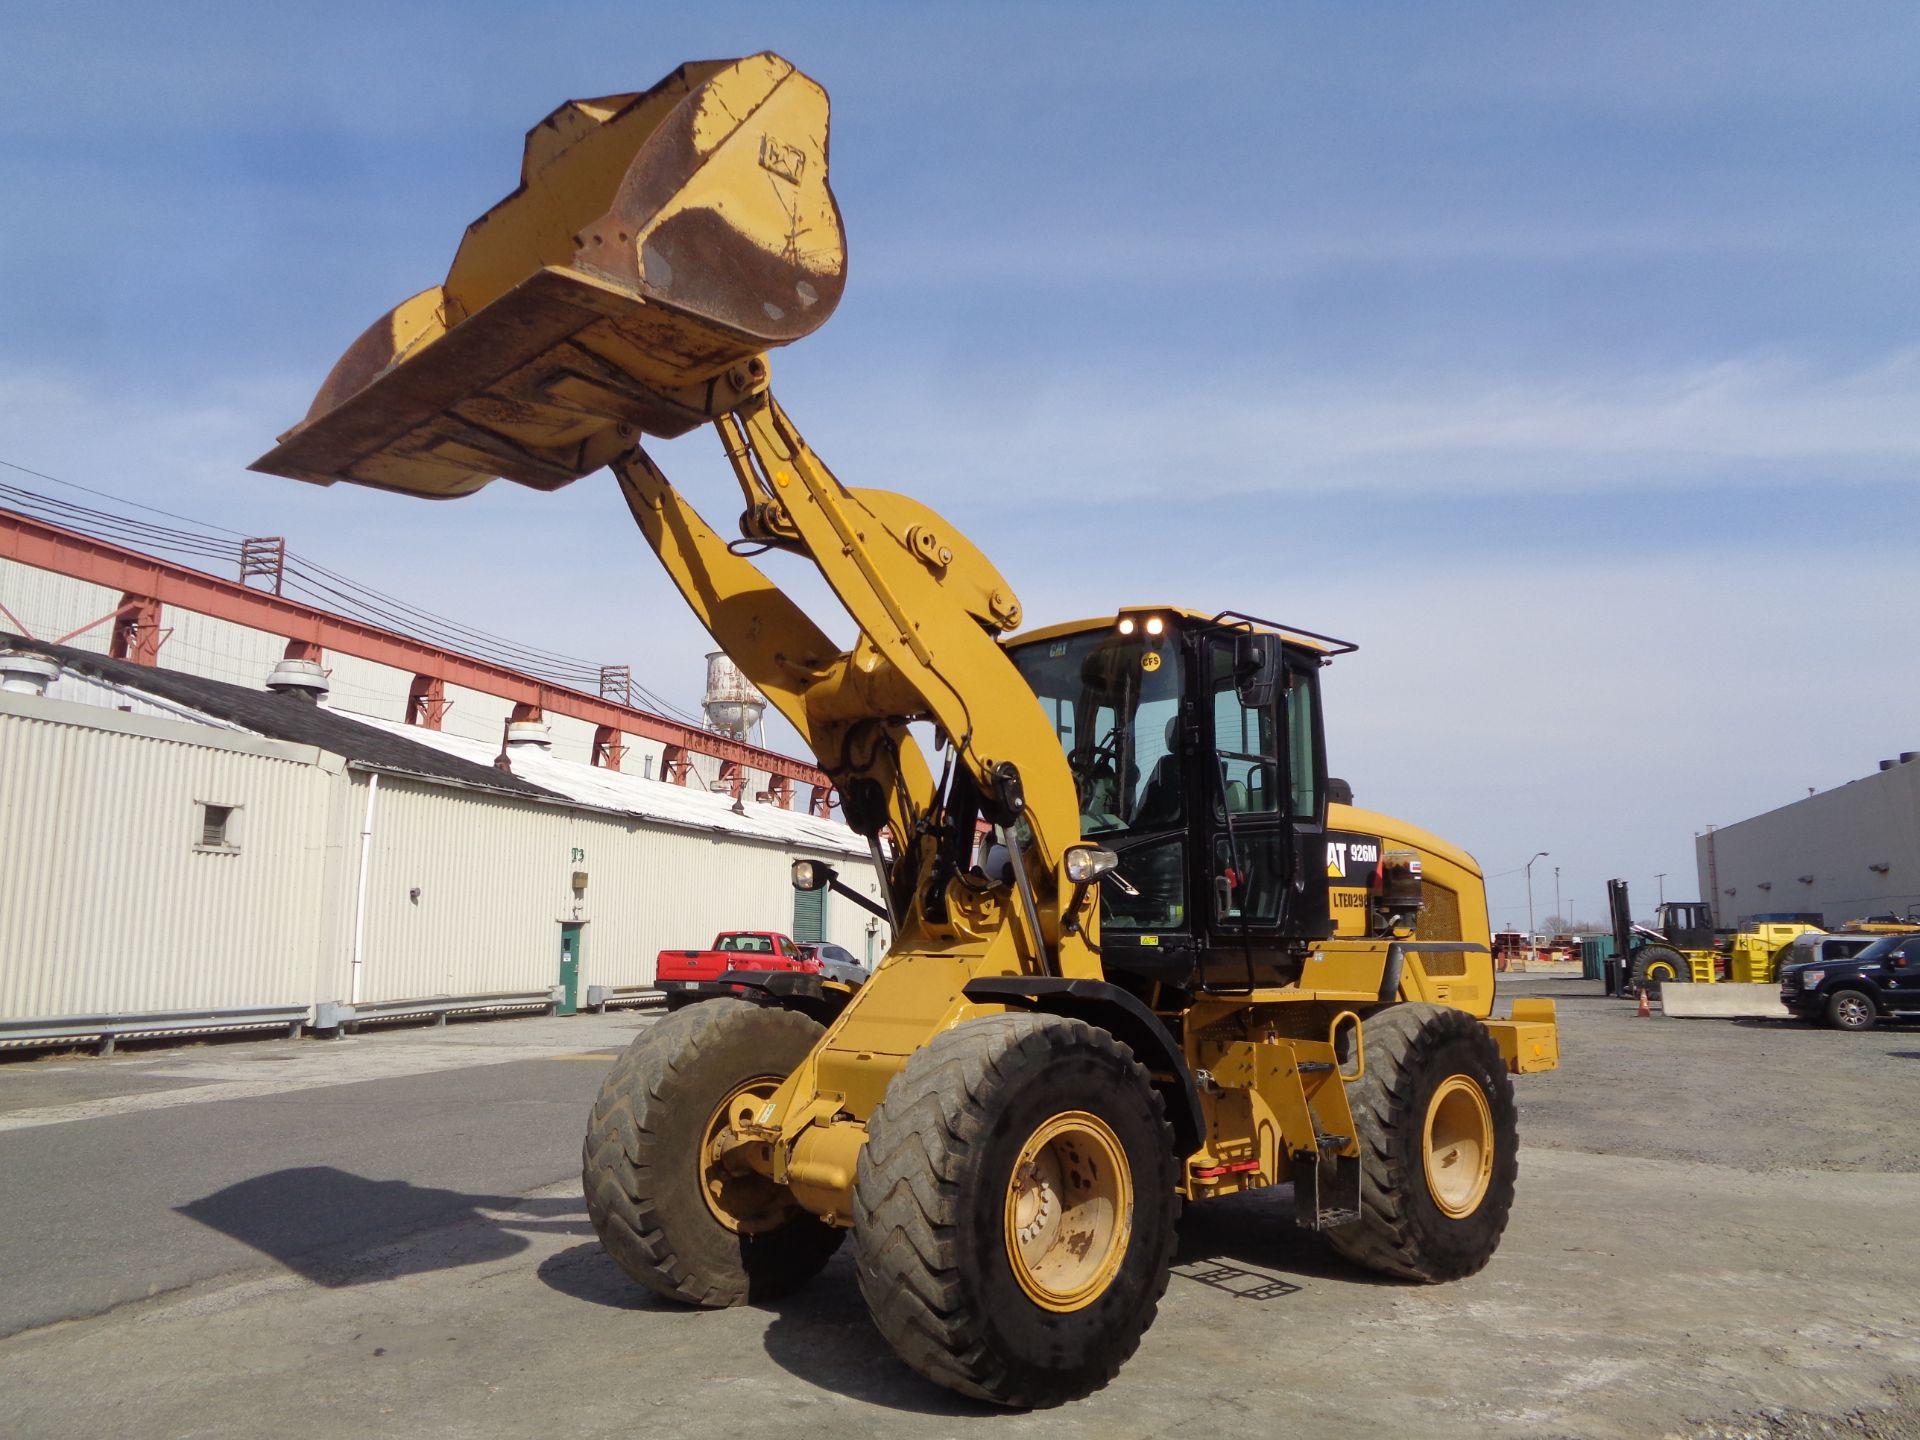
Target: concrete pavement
1714, 1221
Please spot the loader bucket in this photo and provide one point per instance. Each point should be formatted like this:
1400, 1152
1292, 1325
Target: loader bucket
657, 246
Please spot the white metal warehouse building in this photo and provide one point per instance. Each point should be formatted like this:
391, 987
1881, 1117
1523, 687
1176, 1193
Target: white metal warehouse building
172, 843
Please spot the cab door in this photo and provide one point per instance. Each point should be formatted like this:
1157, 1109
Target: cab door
1264, 841
1310, 913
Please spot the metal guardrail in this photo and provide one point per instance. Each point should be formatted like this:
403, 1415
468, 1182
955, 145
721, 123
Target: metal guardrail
601, 997
340, 1018
106, 1030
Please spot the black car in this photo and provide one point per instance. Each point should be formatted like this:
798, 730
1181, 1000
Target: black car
1881, 982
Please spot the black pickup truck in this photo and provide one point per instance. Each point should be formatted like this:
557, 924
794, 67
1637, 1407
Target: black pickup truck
1881, 982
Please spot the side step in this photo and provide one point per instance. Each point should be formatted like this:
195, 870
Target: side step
1323, 1200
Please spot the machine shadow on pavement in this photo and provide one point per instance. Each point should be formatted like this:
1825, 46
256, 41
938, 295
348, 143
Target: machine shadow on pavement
336, 1228
1248, 1246
1245, 1246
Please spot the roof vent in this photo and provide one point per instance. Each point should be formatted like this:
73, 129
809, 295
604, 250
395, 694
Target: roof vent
22, 673
1909, 755
1888, 764
299, 680
529, 735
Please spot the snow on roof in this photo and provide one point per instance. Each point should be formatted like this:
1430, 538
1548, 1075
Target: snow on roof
658, 800
80, 689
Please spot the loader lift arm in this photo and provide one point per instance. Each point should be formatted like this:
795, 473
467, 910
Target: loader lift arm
928, 606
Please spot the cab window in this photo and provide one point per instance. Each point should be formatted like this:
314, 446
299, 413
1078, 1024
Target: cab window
1301, 698
1245, 745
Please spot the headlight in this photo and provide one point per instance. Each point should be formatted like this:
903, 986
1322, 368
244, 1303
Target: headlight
1087, 863
1808, 979
812, 874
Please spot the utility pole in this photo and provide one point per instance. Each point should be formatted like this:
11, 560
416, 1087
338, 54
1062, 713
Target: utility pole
1541, 856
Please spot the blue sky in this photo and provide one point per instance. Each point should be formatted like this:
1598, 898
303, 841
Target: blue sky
1566, 357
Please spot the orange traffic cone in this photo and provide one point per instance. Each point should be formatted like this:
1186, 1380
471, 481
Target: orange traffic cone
1645, 1008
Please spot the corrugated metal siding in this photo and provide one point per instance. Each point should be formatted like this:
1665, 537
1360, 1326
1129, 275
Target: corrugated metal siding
572, 738
105, 904
108, 905
494, 880
366, 687
476, 714
50, 604
220, 649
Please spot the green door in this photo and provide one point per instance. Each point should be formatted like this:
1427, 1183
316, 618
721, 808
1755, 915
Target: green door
569, 970
809, 916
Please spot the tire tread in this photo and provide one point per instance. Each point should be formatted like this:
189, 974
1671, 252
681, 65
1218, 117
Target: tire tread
628, 1167
920, 1139
1399, 1043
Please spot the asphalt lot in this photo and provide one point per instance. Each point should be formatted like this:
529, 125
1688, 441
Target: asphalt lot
1715, 1236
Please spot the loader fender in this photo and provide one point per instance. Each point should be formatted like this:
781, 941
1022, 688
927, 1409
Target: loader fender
808, 995
1123, 1016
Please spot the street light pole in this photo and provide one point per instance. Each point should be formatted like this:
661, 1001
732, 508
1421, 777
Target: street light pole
1556, 894
1541, 856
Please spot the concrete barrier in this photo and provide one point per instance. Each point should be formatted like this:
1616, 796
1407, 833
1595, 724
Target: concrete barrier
1722, 1002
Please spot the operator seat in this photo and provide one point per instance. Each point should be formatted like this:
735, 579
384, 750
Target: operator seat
1160, 798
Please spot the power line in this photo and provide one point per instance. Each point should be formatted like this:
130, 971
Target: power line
71, 485
83, 515
327, 588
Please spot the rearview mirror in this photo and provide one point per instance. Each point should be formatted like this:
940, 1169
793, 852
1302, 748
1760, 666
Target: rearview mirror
1256, 669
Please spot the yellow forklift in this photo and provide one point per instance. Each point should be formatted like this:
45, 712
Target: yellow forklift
1177, 969
1683, 946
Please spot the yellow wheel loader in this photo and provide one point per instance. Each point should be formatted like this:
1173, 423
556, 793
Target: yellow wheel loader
1140, 954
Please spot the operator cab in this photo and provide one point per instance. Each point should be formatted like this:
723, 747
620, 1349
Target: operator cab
1687, 924
1197, 748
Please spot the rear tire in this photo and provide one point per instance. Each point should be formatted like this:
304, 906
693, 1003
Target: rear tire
1657, 965
1439, 1146
1850, 1010
680, 1227
1014, 1212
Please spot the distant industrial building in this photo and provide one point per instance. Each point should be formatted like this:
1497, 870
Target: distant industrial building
186, 854
221, 806
1843, 854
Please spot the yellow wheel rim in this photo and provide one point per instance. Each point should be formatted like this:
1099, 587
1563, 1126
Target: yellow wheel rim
1457, 1146
746, 1202
1661, 970
1069, 1211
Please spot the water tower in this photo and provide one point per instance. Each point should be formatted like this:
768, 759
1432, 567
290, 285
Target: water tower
732, 705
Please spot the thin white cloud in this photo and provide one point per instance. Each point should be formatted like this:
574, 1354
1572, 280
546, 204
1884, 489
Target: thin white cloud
1744, 420
1101, 251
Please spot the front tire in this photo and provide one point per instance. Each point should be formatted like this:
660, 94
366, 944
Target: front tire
1850, 1010
1657, 965
1439, 1143
1014, 1211
670, 1216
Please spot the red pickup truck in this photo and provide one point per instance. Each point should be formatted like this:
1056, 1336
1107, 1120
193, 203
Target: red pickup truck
689, 975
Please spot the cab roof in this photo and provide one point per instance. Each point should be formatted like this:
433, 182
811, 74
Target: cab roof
1305, 639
